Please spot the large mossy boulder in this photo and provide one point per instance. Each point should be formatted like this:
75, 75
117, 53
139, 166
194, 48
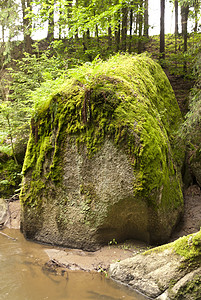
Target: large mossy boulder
102, 162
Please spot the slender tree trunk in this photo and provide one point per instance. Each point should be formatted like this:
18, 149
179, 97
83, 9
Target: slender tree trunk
60, 21
109, 30
196, 8
185, 12
140, 20
117, 37
162, 29
124, 28
50, 33
176, 31
76, 34
146, 18
109, 37
97, 35
26, 26
131, 30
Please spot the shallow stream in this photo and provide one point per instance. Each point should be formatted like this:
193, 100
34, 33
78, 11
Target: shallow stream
22, 276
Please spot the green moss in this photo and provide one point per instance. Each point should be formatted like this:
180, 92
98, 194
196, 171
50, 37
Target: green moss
188, 247
191, 290
127, 99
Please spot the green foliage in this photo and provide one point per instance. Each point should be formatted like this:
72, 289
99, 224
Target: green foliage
18, 106
9, 20
10, 176
191, 127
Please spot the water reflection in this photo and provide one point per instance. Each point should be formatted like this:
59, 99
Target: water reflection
23, 278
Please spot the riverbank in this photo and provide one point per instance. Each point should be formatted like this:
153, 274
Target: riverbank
75, 259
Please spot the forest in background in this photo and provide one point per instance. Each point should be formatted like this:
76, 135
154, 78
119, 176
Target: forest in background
81, 32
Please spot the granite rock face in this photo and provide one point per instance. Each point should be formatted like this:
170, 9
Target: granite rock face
3, 211
195, 164
102, 162
168, 272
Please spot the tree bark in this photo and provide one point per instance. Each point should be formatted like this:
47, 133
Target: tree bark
50, 32
162, 29
117, 37
140, 20
124, 28
184, 14
146, 18
196, 9
176, 31
131, 30
26, 26
109, 37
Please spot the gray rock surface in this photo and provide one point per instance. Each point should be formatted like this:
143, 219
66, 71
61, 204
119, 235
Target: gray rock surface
3, 211
162, 273
149, 274
195, 164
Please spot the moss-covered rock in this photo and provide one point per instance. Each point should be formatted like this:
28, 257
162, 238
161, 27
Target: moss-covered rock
102, 162
168, 272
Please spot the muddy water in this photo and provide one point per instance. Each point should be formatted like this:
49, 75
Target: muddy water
23, 278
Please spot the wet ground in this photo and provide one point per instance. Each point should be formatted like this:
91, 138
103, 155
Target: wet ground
75, 259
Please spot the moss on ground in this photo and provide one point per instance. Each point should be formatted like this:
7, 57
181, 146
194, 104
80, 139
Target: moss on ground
128, 99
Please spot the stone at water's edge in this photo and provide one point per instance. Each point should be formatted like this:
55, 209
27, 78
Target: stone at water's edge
3, 211
102, 162
169, 272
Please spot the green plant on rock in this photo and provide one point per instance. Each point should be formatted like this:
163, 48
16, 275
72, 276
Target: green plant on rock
92, 105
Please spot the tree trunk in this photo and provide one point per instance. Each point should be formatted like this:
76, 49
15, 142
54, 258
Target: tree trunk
97, 35
117, 37
109, 37
76, 34
140, 20
124, 28
146, 18
26, 26
184, 13
196, 8
162, 29
50, 32
176, 31
130, 29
